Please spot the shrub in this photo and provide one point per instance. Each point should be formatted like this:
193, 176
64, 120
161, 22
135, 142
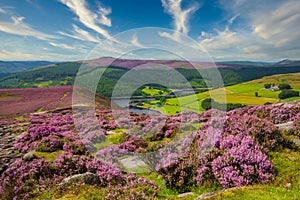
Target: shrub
267, 85
207, 103
284, 86
284, 94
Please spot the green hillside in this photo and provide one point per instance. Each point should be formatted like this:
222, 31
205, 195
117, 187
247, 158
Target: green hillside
243, 93
65, 73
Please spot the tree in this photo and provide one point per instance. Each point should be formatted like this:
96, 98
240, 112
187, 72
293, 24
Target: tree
284, 86
284, 94
256, 94
206, 103
163, 100
267, 85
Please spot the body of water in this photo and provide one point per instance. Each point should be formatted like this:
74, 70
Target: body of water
124, 103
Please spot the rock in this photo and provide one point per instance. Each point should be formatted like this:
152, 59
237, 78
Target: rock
288, 185
133, 162
110, 133
185, 194
285, 126
87, 178
296, 140
212, 194
29, 156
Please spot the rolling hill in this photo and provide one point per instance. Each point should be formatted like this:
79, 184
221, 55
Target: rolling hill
17, 66
65, 73
243, 93
23, 101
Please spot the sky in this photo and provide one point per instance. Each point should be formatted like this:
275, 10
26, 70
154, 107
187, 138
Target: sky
69, 30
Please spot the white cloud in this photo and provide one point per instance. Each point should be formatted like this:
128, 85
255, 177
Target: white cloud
80, 34
18, 55
64, 46
90, 19
8, 55
180, 16
135, 42
2, 11
280, 27
221, 41
269, 31
18, 27
103, 12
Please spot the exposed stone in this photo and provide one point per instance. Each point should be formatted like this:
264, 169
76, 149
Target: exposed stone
133, 162
288, 185
185, 194
87, 178
285, 126
212, 194
296, 140
29, 156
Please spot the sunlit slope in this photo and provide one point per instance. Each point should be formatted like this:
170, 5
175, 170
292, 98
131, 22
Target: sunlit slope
243, 93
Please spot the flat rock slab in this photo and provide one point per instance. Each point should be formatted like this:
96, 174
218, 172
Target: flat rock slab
133, 162
285, 126
212, 194
186, 194
87, 178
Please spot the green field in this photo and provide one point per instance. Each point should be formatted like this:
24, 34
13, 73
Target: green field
243, 93
153, 91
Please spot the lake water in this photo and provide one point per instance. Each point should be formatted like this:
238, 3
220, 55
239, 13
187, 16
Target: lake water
124, 103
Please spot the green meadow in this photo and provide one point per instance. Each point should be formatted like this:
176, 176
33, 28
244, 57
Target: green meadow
243, 93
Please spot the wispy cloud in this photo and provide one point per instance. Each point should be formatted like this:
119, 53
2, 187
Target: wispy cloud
135, 42
180, 16
17, 26
9, 55
2, 10
61, 45
280, 28
90, 19
80, 34
269, 30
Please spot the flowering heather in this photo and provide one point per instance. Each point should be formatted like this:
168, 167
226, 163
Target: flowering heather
133, 143
296, 125
24, 178
235, 155
68, 164
16, 102
134, 188
46, 132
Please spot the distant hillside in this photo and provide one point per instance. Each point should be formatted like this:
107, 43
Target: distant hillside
248, 63
65, 73
23, 101
288, 63
17, 66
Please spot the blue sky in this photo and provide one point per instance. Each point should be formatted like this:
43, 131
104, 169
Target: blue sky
60, 30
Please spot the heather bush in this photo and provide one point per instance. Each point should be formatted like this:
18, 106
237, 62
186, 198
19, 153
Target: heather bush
232, 156
133, 143
50, 144
133, 188
241, 163
25, 179
296, 125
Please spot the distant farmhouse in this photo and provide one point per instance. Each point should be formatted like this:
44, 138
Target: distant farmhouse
273, 88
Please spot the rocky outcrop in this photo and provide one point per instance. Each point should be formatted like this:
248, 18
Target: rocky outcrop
86, 178
8, 135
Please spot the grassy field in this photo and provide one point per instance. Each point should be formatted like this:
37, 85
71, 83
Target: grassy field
243, 93
154, 91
